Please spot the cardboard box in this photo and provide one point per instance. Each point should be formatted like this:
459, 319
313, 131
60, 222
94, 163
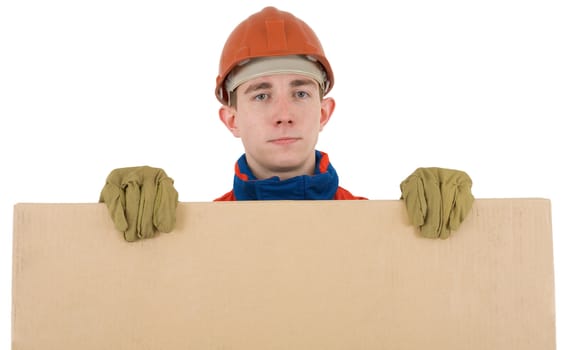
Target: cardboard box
284, 275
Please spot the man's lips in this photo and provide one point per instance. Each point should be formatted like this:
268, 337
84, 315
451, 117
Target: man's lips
284, 140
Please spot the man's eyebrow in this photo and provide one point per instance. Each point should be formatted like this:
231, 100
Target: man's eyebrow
259, 86
301, 82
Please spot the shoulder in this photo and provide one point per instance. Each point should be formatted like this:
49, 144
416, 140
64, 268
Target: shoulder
229, 196
343, 194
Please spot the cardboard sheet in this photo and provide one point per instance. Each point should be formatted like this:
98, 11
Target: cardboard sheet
284, 275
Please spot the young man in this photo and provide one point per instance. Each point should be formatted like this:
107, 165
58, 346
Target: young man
272, 84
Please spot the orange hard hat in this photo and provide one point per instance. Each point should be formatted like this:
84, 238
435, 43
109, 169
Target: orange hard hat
269, 33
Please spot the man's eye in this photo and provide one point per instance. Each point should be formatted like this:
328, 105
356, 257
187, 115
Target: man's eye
302, 94
261, 97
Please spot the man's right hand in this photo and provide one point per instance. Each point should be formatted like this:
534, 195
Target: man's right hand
141, 201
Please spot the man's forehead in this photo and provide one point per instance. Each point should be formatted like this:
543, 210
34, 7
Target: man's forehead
271, 66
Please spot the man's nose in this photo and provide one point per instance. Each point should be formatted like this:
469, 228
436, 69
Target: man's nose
283, 112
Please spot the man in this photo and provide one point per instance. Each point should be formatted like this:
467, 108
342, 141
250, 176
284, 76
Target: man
272, 84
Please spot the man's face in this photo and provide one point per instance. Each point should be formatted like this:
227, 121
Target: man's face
278, 118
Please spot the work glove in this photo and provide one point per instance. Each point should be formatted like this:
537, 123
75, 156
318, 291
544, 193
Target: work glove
141, 201
437, 200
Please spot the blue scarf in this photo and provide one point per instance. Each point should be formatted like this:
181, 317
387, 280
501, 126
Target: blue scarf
320, 186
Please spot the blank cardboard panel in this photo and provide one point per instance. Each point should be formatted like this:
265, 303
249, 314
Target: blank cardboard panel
284, 275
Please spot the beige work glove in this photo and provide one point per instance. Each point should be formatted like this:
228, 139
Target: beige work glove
437, 200
141, 201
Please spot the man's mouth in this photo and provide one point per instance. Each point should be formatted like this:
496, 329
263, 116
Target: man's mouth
284, 140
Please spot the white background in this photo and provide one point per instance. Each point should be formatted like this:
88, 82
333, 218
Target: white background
89, 86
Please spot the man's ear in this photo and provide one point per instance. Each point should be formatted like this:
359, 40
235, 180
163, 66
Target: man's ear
228, 118
326, 109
